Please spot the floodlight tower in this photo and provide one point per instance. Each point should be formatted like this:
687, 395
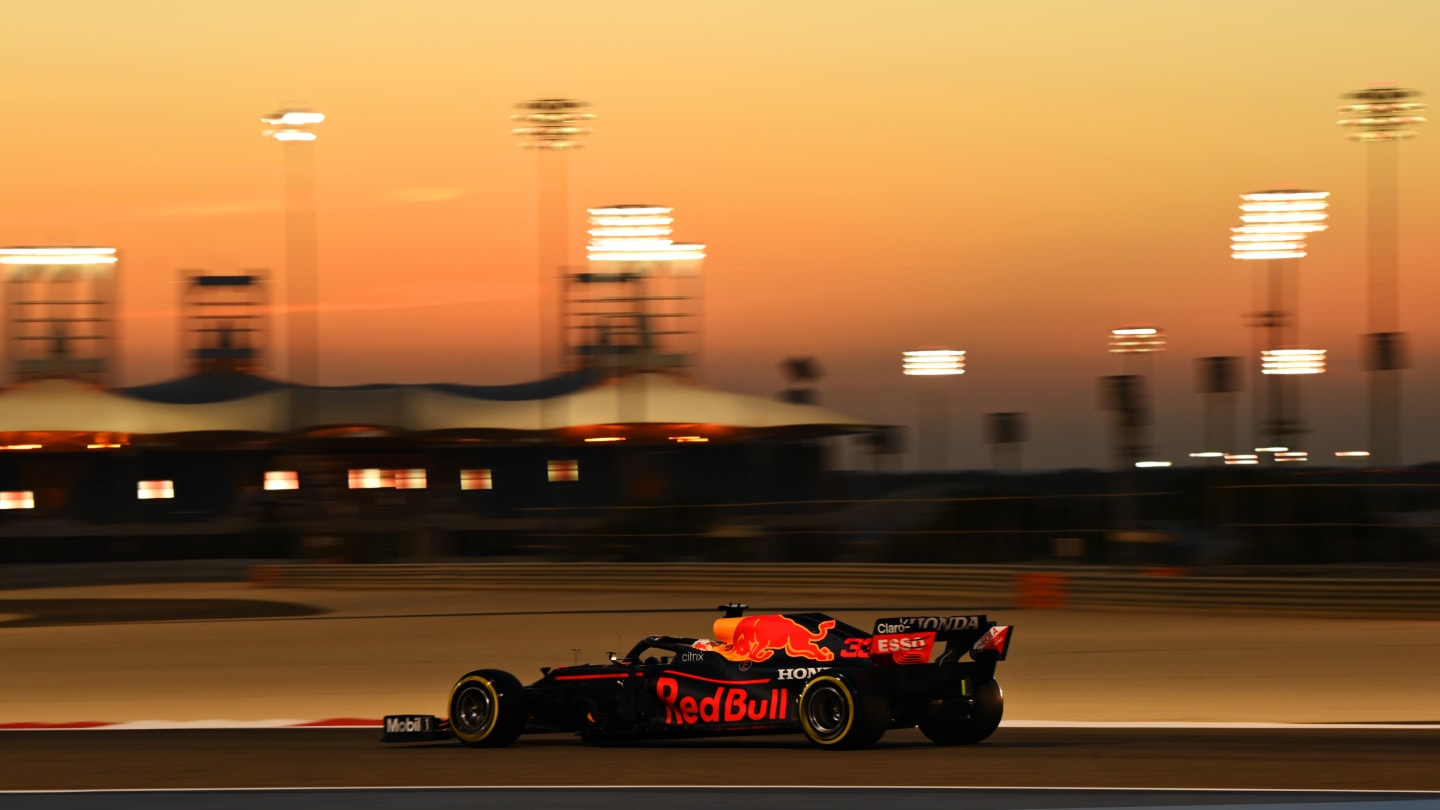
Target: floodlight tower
1381, 117
61, 312
223, 321
1136, 345
1125, 398
935, 362
553, 127
632, 311
294, 129
1219, 381
1274, 226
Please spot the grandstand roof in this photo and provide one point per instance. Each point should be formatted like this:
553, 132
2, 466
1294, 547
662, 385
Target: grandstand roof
235, 402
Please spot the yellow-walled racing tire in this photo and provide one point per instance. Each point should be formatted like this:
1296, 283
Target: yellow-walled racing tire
842, 711
487, 709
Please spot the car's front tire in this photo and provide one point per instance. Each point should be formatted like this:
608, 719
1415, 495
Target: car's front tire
843, 711
487, 709
955, 724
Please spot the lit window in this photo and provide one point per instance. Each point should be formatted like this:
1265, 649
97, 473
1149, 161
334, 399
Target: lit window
408, 479
568, 470
155, 490
282, 479
476, 479
17, 500
372, 479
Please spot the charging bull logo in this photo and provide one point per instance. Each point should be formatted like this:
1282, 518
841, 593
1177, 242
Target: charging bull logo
758, 637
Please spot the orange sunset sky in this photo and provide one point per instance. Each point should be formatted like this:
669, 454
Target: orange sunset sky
1011, 178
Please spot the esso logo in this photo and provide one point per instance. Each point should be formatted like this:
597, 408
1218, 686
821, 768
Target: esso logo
894, 644
904, 648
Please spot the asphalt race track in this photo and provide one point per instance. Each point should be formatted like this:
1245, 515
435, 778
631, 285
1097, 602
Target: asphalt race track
1255, 759
700, 798
186, 654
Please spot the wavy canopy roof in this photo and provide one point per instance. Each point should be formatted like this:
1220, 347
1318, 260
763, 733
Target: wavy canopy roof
246, 404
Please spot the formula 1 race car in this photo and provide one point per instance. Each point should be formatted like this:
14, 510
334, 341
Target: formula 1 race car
841, 686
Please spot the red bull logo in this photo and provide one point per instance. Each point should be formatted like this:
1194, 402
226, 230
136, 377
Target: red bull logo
727, 704
758, 637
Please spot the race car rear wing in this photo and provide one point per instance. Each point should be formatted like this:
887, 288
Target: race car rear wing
912, 639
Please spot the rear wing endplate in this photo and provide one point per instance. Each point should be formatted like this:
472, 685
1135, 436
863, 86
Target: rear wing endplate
982, 637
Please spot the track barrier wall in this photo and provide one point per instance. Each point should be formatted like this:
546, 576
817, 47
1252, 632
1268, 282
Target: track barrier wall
978, 587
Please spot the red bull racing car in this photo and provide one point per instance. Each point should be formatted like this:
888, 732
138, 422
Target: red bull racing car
839, 685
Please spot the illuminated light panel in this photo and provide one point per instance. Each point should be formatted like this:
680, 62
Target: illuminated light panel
551, 124
1285, 196
371, 478
292, 125
563, 470
1264, 207
670, 253
1241, 458
1275, 224
155, 490
1208, 454
1271, 219
293, 118
21, 446
628, 231
103, 446
1152, 464
1292, 361
19, 499
48, 251
1352, 453
1270, 254
933, 362
1136, 340
57, 256
1293, 455
409, 479
603, 222
606, 439
476, 479
688, 439
1382, 114
281, 479
637, 233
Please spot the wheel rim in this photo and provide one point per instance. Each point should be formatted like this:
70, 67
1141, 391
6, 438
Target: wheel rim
474, 710
826, 711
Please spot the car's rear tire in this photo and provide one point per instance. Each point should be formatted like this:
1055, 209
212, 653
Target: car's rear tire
487, 708
843, 711
955, 724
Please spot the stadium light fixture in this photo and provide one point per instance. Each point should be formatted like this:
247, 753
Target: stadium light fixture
292, 125
1382, 114
1136, 340
552, 124
637, 233
1274, 223
1292, 361
57, 256
933, 362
